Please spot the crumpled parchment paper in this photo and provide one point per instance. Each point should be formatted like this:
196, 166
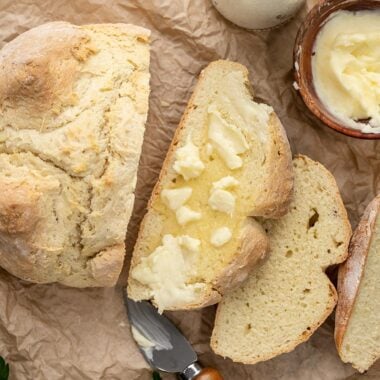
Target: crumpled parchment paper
53, 332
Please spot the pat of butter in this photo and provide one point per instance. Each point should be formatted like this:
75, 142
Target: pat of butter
221, 199
168, 268
186, 215
188, 163
221, 236
227, 139
346, 68
225, 183
140, 339
175, 198
157, 340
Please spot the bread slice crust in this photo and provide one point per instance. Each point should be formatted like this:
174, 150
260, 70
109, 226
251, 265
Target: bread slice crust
350, 277
273, 197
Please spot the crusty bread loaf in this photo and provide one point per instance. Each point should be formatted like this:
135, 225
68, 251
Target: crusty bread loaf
289, 296
357, 319
220, 118
73, 106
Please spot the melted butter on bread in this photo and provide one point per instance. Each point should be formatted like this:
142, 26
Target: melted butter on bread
166, 270
255, 176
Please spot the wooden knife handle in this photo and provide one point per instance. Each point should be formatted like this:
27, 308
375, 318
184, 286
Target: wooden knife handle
209, 374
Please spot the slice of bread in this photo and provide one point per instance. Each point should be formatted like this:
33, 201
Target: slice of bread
357, 320
229, 159
285, 300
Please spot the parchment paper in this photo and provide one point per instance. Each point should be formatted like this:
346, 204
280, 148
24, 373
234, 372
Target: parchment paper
54, 332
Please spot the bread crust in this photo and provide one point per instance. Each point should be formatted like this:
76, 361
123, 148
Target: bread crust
274, 202
254, 246
351, 272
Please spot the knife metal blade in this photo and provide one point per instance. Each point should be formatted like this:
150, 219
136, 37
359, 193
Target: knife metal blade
162, 345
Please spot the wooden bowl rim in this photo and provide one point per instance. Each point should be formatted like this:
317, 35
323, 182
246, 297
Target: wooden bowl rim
317, 17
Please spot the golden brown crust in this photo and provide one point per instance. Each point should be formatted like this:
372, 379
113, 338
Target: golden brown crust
278, 189
18, 209
19, 217
351, 272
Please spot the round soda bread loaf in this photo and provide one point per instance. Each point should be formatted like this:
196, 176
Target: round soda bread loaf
227, 242
287, 298
73, 106
357, 319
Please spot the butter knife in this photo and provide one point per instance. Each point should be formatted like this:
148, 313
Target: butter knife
162, 345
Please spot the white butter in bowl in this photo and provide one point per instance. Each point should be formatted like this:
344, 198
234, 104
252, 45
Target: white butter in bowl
346, 68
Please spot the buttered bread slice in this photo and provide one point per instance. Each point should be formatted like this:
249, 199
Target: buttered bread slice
285, 300
357, 320
229, 160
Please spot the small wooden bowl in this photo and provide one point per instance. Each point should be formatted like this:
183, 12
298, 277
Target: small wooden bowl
303, 51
